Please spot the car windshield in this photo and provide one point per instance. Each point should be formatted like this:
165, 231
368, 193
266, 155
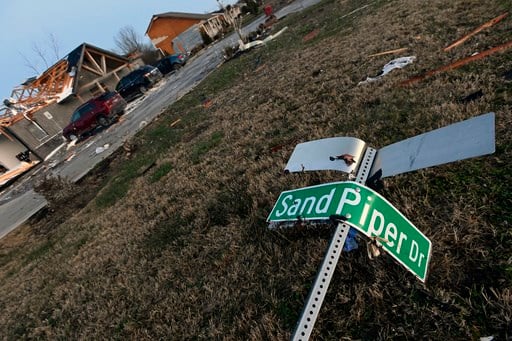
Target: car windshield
106, 95
81, 112
75, 117
123, 82
129, 78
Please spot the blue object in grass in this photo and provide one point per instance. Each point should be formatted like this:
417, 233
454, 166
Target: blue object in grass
350, 242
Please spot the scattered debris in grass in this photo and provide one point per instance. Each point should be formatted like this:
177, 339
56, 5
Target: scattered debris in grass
311, 35
175, 122
188, 240
459, 63
472, 96
400, 50
397, 63
477, 30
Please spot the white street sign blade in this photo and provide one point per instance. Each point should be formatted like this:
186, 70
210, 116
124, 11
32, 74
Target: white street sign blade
325, 154
458, 141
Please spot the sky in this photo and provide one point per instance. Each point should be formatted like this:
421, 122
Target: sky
25, 23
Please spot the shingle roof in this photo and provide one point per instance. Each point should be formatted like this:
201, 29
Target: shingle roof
179, 15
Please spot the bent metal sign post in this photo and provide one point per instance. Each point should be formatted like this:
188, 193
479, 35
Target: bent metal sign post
365, 210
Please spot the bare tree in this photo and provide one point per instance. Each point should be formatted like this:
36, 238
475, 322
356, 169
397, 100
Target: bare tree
41, 54
54, 45
128, 40
29, 64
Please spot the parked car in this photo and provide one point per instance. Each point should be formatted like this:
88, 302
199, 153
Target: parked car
137, 82
174, 62
102, 111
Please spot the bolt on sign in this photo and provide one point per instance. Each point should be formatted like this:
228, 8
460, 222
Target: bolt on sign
365, 210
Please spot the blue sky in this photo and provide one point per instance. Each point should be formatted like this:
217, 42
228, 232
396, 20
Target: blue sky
24, 23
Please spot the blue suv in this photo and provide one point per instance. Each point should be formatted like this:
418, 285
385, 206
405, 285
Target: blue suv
174, 62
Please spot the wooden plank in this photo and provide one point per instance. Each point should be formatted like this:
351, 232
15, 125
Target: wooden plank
113, 72
104, 63
94, 63
472, 33
95, 71
457, 64
403, 49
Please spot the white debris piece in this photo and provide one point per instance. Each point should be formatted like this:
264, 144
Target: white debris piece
394, 64
100, 150
244, 47
72, 143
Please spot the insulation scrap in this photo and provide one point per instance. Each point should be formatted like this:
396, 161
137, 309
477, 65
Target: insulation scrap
458, 63
394, 64
481, 28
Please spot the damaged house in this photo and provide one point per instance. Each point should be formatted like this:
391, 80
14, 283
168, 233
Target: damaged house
173, 32
33, 118
165, 27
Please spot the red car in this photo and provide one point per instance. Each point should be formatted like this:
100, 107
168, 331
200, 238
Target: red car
99, 111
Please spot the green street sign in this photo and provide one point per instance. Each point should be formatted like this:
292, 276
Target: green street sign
367, 211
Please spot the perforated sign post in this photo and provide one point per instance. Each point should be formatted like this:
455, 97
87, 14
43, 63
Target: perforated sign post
365, 210
362, 207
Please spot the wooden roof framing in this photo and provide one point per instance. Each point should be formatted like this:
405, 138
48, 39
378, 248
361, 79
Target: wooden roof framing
45, 89
60, 81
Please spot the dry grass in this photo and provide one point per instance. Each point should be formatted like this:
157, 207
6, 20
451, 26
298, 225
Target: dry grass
182, 251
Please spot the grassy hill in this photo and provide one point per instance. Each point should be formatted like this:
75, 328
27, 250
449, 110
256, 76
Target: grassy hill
167, 238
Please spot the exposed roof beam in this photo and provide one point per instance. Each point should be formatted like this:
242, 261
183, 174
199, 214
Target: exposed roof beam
94, 63
93, 70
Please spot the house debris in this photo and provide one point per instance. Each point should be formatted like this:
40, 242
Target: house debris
394, 64
101, 149
481, 28
7, 176
311, 35
403, 49
458, 63
175, 122
244, 47
472, 96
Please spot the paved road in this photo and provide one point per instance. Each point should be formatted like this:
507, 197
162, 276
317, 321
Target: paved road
21, 202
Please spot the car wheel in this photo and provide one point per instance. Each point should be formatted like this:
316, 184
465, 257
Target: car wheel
143, 89
103, 121
176, 67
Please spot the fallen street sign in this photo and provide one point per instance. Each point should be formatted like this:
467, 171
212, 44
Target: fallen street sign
365, 210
